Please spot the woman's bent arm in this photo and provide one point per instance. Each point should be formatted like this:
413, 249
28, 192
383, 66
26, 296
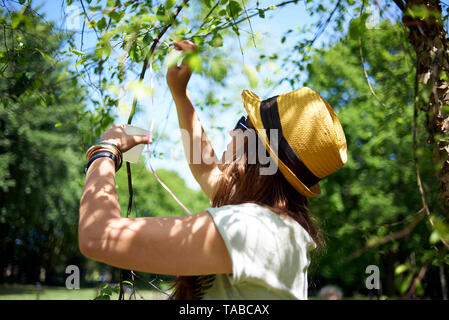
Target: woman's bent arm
174, 245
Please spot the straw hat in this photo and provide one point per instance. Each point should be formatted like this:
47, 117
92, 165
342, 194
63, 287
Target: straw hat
311, 143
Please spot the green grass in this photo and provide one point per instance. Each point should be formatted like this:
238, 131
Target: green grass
30, 292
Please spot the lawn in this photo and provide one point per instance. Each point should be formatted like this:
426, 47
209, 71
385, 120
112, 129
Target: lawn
30, 292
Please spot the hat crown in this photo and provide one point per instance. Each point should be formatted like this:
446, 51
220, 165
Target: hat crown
311, 129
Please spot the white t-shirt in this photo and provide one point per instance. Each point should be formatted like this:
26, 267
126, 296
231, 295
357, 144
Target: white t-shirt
269, 253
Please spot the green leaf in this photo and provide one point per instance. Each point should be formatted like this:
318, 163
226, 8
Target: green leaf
173, 58
116, 16
401, 269
405, 283
101, 24
434, 237
422, 12
16, 18
161, 11
445, 109
357, 26
147, 39
77, 52
194, 61
170, 3
252, 76
217, 40
218, 71
134, 52
234, 8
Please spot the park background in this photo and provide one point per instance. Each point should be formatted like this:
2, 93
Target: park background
69, 69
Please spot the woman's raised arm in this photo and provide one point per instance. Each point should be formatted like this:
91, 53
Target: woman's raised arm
202, 159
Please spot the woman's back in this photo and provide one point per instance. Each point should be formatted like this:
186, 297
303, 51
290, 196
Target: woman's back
269, 253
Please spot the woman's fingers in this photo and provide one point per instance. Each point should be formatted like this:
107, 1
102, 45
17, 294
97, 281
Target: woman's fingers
178, 77
185, 45
142, 139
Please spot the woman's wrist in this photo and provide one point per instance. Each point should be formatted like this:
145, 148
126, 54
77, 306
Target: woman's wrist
102, 166
179, 93
104, 150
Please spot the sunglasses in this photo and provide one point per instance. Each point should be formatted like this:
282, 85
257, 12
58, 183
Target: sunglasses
241, 124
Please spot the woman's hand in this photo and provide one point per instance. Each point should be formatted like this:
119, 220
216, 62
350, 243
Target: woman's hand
178, 77
117, 135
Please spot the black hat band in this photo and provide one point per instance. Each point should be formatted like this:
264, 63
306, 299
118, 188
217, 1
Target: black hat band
269, 114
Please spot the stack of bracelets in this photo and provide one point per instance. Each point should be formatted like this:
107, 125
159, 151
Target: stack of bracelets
104, 149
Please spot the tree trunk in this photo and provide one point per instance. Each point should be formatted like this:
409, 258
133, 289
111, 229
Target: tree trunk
428, 38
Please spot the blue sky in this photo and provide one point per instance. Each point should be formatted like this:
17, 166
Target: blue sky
270, 31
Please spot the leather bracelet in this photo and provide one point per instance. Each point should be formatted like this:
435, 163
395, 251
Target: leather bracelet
97, 149
101, 155
101, 148
116, 148
113, 145
106, 147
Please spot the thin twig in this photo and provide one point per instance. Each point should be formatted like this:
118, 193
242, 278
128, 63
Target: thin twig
88, 19
240, 43
393, 236
209, 13
415, 143
321, 28
150, 283
230, 24
362, 59
415, 281
249, 22
131, 115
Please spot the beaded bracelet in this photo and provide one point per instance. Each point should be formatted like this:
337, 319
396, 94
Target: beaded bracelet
101, 155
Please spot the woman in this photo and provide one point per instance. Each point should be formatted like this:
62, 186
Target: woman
254, 241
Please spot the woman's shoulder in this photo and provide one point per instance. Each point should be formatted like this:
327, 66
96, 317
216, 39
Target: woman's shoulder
264, 219
244, 211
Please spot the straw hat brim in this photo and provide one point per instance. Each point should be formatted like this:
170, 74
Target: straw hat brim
251, 103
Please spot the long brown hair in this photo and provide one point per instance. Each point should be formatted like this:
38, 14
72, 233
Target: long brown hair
241, 182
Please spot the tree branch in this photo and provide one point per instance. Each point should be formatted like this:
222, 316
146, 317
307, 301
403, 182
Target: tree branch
400, 4
393, 236
415, 154
147, 59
